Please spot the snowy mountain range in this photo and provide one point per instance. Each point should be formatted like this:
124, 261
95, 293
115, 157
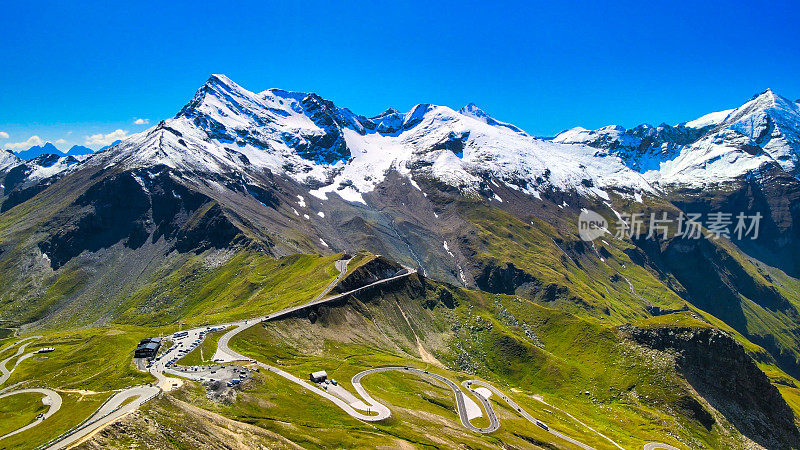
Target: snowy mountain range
228, 129
712, 149
227, 142
239, 147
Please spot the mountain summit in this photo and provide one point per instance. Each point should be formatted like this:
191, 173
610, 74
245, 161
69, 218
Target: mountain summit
39, 150
226, 128
714, 148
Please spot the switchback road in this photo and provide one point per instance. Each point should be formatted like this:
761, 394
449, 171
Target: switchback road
51, 398
4, 372
110, 411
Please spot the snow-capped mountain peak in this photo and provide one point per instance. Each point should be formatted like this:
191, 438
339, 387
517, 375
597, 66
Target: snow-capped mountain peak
472, 110
8, 159
713, 148
228, 129
709, 120
767, 102
763, 132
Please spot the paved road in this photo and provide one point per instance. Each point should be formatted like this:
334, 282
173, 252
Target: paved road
6, 373
658, 445
541, 400
108, 412
494, 424
224, 354
113, 409
381, 411
51, 398
515, 406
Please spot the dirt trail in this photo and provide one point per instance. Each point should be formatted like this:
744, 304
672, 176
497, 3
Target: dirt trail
423, 353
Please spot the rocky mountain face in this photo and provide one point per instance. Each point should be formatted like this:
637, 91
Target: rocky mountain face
395, 183
464, 198
22, 179
642, 148
8, 159
718, 368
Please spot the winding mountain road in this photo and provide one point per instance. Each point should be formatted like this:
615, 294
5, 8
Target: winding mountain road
494, 423
658, 446
225, 354
110, 411
116, 406
6, 373
515, 406
51, 398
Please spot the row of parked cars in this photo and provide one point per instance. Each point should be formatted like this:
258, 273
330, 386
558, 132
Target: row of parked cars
184, 351
179, 346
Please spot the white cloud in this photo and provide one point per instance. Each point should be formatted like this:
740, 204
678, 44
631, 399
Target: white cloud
3, 135
141, 121
61, 142
106, 139
33, 140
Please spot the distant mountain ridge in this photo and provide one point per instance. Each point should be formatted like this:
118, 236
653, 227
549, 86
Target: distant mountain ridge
49, 149
714, 148
38, 150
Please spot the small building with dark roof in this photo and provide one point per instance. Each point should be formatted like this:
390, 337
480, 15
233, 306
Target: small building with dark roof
147, 348
318, 377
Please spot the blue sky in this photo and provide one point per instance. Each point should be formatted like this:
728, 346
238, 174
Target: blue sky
77, 72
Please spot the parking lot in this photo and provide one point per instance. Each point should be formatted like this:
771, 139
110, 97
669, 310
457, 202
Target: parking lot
228, 375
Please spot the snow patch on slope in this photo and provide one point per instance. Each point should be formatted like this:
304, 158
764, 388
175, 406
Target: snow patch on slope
711, 119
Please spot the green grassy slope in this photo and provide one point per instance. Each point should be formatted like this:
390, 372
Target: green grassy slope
204, 352
615, 282
522, 347
19, 410
85, 369
97, 359
587, 283
248, 284
75, 408
547, 359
